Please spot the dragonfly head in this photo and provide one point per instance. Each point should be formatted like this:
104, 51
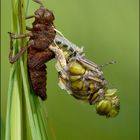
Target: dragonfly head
110, 105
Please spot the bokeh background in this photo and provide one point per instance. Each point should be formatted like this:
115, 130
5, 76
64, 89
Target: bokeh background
108, 30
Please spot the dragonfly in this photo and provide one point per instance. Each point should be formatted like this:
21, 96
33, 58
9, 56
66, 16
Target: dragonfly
82, 78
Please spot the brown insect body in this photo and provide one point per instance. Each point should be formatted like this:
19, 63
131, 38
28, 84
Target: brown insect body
42, 35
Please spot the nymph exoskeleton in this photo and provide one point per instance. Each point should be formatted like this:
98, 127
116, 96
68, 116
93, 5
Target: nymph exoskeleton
41, 36
82, 78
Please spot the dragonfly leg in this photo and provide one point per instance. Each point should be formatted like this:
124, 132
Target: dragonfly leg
12, 36
13, 59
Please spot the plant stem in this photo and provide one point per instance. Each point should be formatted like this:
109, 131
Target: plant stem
25, 119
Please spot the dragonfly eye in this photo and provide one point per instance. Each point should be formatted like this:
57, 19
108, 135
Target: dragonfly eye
76, 68
110, 105
103, 107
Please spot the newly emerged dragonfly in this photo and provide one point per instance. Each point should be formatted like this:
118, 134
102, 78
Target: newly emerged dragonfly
82, 78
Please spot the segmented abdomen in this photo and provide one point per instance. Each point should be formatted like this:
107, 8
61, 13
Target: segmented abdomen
37, 70
38, 80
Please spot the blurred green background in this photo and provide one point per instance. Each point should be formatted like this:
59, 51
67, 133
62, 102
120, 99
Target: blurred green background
108, 29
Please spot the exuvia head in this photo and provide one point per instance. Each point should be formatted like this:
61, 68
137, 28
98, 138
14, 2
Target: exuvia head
44, 15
